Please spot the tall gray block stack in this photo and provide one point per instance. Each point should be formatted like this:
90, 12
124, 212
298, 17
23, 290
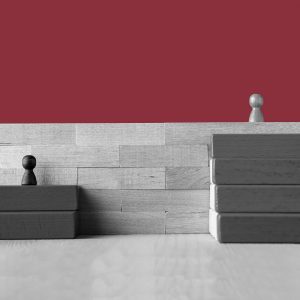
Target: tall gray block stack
255, 188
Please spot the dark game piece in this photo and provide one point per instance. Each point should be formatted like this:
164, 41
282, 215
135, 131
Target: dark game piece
29, 163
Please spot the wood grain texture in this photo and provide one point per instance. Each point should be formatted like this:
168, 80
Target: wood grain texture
164, 156
187, 222
56, 176
11, 156
255, 171
257, 228
121, 178
38, 134
256, 198
120, 134
164, 200
121, 223
256, 146
38, 198
76, 156
100, 200
199, 133
11, 176
38, 225
187, 178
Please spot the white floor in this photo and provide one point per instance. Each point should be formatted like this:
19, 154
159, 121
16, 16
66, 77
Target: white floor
147, 267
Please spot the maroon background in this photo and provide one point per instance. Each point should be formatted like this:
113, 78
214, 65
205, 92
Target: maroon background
148, 61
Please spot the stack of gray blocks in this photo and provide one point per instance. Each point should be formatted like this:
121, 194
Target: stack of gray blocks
255, 188
38, 212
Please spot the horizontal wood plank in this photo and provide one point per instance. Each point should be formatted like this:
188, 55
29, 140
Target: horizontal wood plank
56, 176
11, 176
164, 200
187, 223
38, 225
121, 178
92, 223
256, 146
11, 156
255, 198
38, 198
37, 134
255, 171
199, 133
256, 227
164, 156
100, 200
120, 134
187, 178
76, 156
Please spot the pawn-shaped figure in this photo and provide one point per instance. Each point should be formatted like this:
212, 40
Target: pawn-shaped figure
29, 163
256, 101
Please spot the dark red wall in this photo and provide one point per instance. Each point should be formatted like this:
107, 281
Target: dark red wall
148, 61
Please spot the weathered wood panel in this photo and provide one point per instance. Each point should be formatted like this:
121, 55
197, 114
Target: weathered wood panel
120, 134
37, 198
164, 200
11, 156
199, 133
256, 227
187, 178
121, 178
121, 223
38, 225
11, 176
168, 156
100, 200
255, 171
56, 176
76, 156
187, 223
38, 134
255, 198
256, 146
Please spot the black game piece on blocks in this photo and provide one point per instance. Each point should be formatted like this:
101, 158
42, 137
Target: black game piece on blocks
29, 163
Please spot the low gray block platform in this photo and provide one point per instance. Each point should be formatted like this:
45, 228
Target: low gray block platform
32, 198
38, 212
38, 225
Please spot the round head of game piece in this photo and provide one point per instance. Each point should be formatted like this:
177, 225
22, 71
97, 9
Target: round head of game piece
29, 162
256, 100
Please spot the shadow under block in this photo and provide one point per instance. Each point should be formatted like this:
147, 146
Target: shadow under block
38, 198
256, 146
255, 171
255, 198
38, 225
255, 227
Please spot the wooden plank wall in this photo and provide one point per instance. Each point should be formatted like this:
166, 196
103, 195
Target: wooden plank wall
133, 178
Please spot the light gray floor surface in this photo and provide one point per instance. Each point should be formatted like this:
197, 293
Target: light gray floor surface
148, 267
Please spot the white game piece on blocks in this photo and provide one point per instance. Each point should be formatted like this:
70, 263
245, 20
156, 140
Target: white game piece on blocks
256, 101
